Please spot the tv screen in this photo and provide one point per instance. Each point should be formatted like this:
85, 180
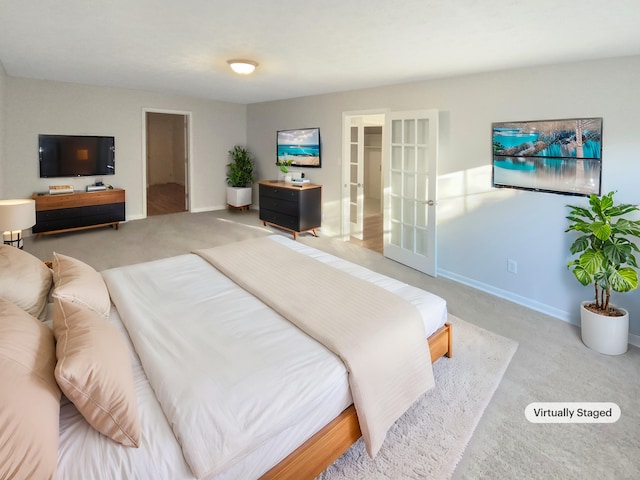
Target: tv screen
555, 156
301, 147
76, 155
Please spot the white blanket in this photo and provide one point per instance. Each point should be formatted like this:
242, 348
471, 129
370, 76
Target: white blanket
229, 372
378, 335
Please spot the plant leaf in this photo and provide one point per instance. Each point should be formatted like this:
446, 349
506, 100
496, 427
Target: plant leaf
592, 261
601, 230
581, 244
623, 280
582, 275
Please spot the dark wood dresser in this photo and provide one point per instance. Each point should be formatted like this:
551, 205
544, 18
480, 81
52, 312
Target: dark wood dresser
295, 208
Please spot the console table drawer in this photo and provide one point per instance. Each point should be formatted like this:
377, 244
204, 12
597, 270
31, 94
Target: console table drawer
78, 210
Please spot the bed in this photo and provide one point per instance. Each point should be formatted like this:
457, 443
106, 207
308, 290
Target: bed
192, 333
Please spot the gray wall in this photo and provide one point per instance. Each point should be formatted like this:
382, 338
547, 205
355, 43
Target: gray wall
479, 228
35, 106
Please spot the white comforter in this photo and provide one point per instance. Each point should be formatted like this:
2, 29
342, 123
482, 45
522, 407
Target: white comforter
228, 371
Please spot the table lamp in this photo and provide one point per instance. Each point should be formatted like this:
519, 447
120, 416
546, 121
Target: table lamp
15, 216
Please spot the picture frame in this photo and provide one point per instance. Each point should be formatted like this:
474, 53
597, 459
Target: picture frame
299, 147
557, 156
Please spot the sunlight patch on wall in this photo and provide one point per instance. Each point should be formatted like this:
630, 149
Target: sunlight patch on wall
467, 190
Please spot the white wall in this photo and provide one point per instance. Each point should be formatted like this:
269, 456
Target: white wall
3, 80
479, 227
35, 106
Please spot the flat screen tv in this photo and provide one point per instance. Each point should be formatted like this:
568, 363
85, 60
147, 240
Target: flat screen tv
301, 147
555, 156
76, 155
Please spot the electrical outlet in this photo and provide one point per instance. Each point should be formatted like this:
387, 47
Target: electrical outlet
512, 266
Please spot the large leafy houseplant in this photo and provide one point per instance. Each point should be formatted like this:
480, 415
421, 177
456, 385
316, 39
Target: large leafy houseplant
605, 249
240, 170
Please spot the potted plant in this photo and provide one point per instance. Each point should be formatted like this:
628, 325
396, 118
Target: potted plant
283, 164
240, 177
605, 248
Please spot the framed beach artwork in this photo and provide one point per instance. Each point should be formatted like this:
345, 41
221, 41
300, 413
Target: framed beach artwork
557, 156
300, 147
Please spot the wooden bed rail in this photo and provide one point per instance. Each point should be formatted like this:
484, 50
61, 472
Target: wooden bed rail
325, 447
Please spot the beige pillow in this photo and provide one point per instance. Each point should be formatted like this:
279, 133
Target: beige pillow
79, 283
29, 396
24, 280
94, 371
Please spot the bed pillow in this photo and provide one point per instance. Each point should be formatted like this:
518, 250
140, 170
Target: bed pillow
79, 283
24, 280
94, 371
29, 396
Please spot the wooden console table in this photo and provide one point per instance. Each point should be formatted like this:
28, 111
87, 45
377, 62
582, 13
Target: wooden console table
295, 208
66, 212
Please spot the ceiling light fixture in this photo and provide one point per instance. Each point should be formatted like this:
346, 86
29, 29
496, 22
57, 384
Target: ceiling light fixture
243, 67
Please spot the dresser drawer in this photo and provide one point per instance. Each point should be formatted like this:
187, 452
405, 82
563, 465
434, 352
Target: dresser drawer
279, 193
286, 221
283, 206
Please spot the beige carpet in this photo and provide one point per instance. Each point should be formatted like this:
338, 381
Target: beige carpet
429, 439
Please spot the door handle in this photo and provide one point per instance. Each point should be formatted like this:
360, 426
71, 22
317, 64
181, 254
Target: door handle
431, 203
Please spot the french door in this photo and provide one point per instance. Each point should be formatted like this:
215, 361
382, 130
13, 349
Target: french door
356, 176
411, 155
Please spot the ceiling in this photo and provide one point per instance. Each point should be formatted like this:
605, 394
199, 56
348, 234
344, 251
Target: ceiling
302, 47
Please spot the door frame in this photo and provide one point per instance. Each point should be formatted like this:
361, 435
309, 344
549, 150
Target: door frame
188, 149
345, 228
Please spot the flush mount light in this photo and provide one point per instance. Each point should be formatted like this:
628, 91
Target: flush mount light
243, 67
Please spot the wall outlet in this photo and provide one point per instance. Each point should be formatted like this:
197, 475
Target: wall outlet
512, 266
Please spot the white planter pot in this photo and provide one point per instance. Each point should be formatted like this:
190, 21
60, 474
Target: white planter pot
608, 335
239, 196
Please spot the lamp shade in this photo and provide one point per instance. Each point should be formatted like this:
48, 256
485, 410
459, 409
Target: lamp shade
17, 214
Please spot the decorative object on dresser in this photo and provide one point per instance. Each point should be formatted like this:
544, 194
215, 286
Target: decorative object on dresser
56, 189
78, 211
15, 216
240, 178
606, 261
295, 208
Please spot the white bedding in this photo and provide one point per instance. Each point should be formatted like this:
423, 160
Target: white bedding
200, 340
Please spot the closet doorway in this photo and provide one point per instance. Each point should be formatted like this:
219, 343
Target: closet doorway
365, 186
167, 162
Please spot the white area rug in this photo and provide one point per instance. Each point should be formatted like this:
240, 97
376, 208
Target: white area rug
428, 441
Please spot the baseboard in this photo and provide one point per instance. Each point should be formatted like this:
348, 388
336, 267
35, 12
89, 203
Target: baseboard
520, 300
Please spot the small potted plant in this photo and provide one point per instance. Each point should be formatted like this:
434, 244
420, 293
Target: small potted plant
283, 164
606, 261
240, 177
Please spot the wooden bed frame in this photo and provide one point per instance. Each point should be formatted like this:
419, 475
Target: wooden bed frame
326, 446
